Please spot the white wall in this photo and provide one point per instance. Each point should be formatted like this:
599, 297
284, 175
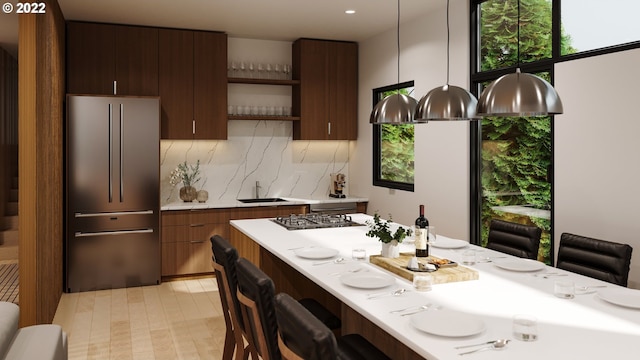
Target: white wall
596, 146
441, 148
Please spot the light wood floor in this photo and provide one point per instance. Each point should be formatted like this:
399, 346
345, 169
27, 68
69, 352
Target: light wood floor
174, 320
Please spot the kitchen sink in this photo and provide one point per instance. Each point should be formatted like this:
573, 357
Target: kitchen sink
261, 200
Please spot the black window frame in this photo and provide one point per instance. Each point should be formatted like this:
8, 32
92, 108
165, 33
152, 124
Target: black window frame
477, 77
377, 151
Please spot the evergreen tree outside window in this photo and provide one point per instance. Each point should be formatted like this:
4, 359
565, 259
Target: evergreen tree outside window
515, 153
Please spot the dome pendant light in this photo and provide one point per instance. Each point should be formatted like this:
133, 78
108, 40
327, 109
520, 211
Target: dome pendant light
398, 108
519, 94
446, 102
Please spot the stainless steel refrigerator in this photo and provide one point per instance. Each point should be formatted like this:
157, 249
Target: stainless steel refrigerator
112, 187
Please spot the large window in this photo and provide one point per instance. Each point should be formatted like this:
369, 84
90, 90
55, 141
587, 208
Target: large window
393, 146
512, 158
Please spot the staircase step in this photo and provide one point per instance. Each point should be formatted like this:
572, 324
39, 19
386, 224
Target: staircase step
11, 222
9, 245
11, 208
13, 195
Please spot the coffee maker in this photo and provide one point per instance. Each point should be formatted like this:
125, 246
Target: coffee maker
337, 185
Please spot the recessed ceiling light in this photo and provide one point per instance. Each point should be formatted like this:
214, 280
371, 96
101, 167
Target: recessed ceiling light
349, 12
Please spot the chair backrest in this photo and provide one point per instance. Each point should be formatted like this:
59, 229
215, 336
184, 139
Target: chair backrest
599, 259
301, 334
514, 239
256, 293
225, 258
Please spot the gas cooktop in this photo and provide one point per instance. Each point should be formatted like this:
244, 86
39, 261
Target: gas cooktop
315, 221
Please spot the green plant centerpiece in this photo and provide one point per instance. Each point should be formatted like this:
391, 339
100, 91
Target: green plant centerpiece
188, 175
381, 229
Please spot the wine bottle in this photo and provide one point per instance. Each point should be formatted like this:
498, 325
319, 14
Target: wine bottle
422, 234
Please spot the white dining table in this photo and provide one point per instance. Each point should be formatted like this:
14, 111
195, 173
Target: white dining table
585, 327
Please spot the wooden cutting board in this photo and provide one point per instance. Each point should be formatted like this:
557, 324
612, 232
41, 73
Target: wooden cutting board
443, 275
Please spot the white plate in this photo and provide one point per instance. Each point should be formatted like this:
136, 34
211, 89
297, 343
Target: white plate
520, 265
448, 243
316, 253
621, 296
448, 323
367, 280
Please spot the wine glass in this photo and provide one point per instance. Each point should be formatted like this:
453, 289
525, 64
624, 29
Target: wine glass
234, 69
278, 72
269, 71
286, 68
261, 71
243, 69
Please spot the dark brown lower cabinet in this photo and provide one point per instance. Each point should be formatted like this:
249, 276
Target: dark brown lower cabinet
186, 249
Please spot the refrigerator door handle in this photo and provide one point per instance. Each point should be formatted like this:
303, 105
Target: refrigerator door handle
119, 232
110, 152
120, 213
121, 151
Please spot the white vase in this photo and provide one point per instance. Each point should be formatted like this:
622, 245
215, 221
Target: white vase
391, 250
202, 196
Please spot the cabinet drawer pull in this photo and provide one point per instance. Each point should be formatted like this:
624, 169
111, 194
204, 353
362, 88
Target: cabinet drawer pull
196, 225
197, 241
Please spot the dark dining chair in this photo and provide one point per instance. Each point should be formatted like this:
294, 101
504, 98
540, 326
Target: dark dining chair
514, 239
225, 257
302, 336
255, 293
598, 259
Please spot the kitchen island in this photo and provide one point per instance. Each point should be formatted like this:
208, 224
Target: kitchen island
589, 326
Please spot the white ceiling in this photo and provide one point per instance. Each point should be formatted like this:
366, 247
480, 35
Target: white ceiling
258, 19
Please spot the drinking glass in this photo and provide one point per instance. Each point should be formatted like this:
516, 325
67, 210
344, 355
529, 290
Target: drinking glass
525, 327
234, 69
269, 70
243, 69
359, 254
564, 289
469, 257
432, 234
286, 69
252, 70
422, 282
277, 70
261, 71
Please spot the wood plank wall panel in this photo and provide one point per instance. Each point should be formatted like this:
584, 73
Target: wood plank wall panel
41, 101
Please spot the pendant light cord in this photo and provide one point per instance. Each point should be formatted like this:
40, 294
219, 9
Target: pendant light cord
448, 40
518, 32
398, 43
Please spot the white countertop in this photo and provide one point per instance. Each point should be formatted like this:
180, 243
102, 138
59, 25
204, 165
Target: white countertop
219, 204
585, 327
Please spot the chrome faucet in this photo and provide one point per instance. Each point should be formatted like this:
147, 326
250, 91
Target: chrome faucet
258, 187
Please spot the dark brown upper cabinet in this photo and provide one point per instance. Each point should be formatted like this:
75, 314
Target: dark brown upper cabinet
193, 84
111, 59
327, 97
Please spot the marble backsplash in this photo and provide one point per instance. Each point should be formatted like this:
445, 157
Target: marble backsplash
256, 151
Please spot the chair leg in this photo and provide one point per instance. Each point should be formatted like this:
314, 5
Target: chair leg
229, 345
